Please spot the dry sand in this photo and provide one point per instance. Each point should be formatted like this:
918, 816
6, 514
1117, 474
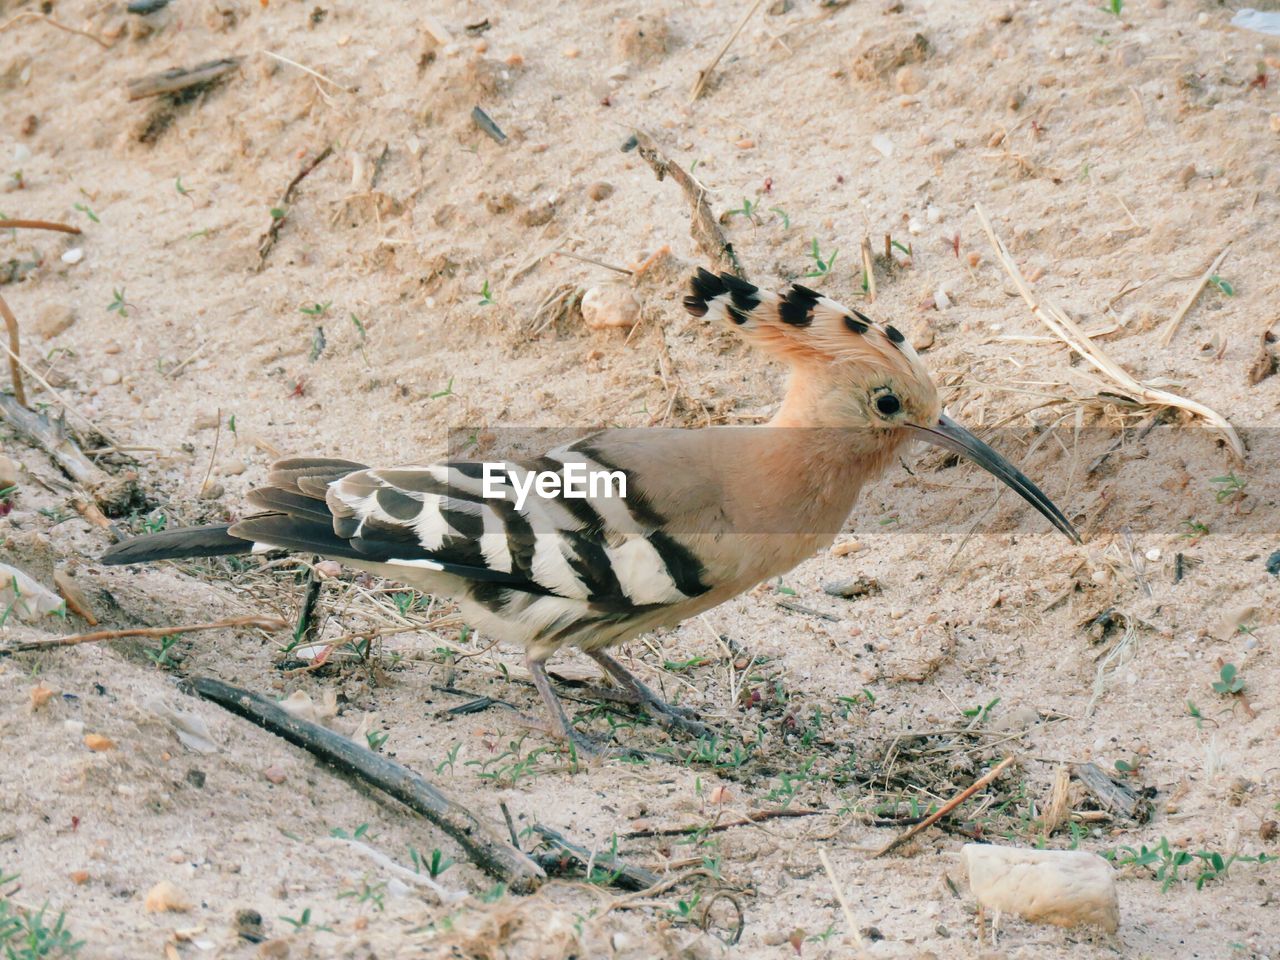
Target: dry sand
1109, 151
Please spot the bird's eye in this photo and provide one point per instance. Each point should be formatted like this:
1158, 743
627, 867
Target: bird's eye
887, 404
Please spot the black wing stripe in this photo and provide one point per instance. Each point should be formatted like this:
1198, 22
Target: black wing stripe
683, 565
641, 508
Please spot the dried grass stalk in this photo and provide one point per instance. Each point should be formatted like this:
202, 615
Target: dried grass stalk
1070, 333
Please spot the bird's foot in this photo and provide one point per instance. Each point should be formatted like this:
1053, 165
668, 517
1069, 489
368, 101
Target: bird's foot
667, 716
582, 745
673, 718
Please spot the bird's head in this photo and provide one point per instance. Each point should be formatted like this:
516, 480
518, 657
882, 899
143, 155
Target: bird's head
850, 373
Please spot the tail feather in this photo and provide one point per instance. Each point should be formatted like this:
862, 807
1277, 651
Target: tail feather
176, 544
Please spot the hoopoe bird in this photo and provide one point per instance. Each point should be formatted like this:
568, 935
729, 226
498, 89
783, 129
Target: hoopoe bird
707, 514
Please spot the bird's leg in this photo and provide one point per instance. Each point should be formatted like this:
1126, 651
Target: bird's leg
673, 718
560, 724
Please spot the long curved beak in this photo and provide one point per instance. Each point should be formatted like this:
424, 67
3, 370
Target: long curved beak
950, 435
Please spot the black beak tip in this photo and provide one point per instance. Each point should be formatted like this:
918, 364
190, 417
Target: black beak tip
950, 435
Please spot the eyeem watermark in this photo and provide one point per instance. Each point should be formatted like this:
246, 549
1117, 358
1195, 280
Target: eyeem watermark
574, 481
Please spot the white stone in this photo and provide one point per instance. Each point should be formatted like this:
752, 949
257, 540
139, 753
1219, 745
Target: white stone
610, 305
74, 255
1067, 888
882, 144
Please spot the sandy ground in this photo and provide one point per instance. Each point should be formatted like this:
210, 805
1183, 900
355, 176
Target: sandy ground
1116, 156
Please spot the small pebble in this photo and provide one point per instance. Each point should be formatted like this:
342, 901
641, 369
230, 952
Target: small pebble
846, 548
328, 569
600, 190
212, 490
571, 53
74, 255
882, 144
164, 897
8, 472
111, 348
921, 333
233, 468
610, 305
852, 589
909, 80
746, 143
40, 695
274, 774
53, 319
196, 778
98, 743
110, 376
1153, 554
933, 214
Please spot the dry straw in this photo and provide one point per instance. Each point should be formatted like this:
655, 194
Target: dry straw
1070, 333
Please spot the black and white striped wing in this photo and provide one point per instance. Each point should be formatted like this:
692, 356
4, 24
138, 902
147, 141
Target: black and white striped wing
606, 551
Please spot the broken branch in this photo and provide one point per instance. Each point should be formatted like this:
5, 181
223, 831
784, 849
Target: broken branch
110, 493
492, 854
624, 875
281, 212
75, 639
7, 224
947, 807
703, 227
181, 78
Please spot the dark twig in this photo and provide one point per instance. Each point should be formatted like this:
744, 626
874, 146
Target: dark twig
703, 227
181, 78
259, 623
947, 807
7, 224
511, 824
491, 853
281, 210
798, 607
306, 616
485, 123
625, 876
754, 817
15, 347
1116, 798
